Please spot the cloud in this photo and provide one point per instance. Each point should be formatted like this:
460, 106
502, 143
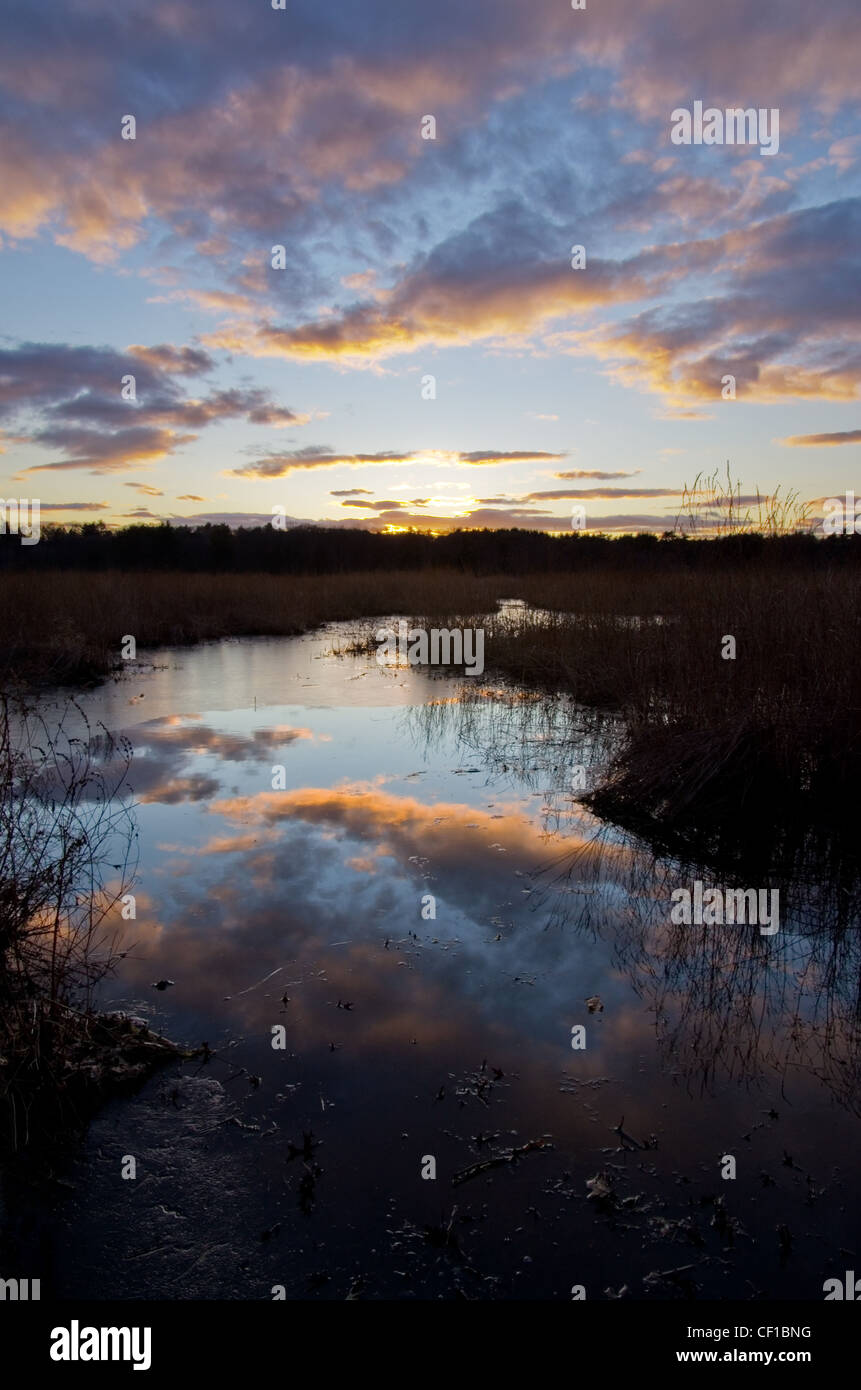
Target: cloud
182, 361
263, 135
701, 262
582, 493
494, 280
75, 396
596, 473
167, 750
74, 507
274, 465
784, 324
598, 492
492, 456
846, 152
780, 317
238, 133
107, 453
145, 489
234, 520
470, 519
373, 506
838, 437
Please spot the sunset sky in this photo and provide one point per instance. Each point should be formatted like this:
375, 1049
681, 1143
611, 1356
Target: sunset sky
407, 257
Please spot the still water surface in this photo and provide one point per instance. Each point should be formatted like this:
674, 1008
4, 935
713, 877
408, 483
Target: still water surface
410, 1037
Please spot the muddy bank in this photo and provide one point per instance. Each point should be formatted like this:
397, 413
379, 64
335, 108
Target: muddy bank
60, 1065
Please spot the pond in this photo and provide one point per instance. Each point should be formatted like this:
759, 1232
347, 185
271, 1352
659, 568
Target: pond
457, 1047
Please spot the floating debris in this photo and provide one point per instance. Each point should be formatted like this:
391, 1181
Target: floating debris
512, 1155
570, 1085
309, 1144
629, 1143
601, 1188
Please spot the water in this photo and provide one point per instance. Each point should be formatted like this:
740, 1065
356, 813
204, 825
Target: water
412, 1037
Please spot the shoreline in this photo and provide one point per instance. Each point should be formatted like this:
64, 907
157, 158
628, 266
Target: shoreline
65, 1066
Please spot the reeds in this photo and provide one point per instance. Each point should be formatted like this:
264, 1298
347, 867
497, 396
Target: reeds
710, 741
66, 857
64, 627
741, 757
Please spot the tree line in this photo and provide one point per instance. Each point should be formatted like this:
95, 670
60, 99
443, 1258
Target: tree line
328, 550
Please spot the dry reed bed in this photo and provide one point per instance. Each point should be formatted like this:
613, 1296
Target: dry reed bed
65, 626
708, 738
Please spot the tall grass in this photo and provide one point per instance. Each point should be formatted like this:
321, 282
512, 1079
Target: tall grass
749, 753
66, 857
714, 747
65, 626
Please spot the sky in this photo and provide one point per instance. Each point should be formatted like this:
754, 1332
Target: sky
337, 259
